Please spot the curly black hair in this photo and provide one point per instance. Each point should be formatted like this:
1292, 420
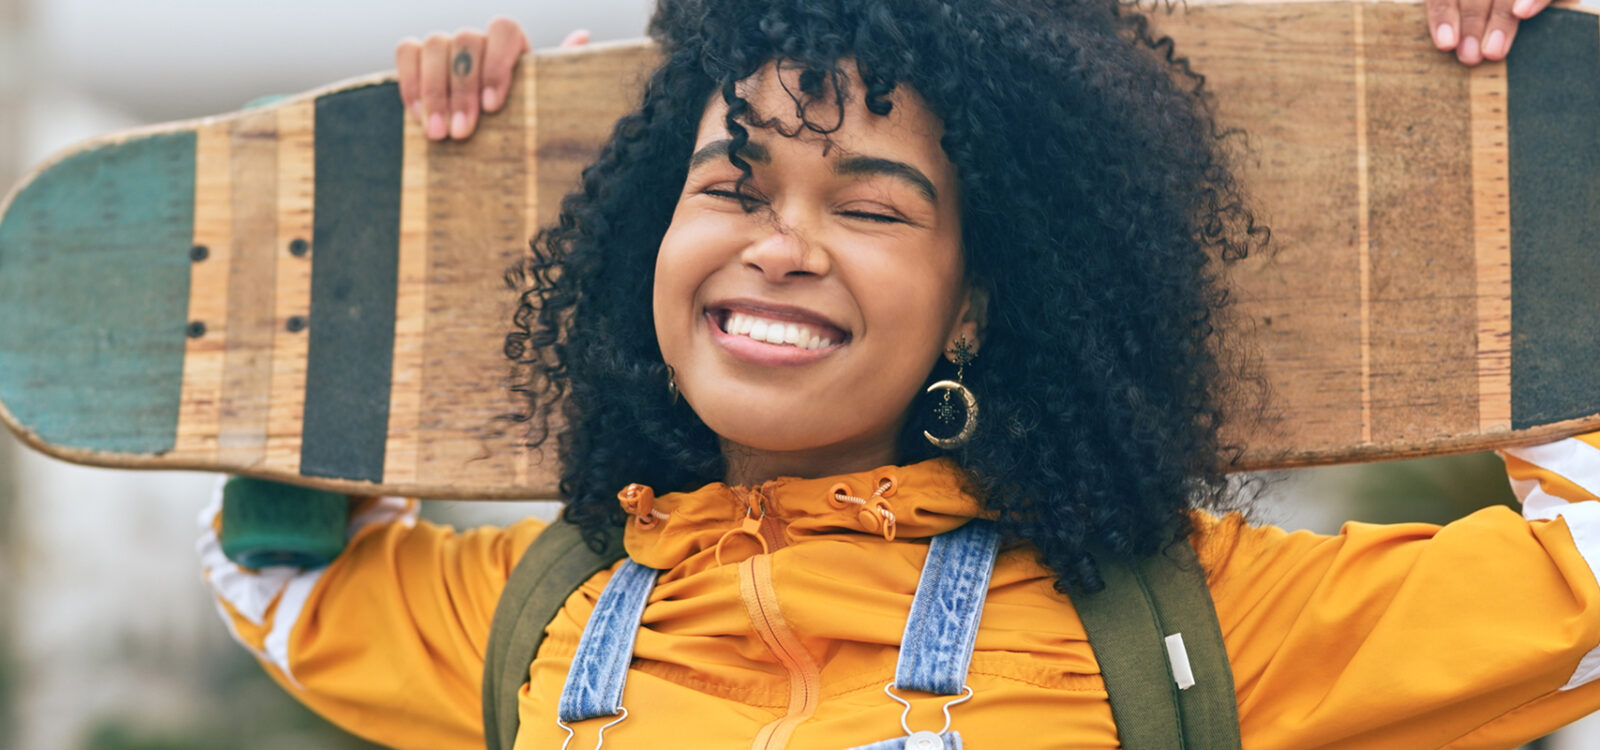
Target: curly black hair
1098, 211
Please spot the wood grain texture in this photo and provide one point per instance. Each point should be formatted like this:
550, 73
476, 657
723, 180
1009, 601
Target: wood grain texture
1293, 89
473, 236
411, 302
580, 96
1491, 237
1423, 342
523, 464
296, 185
247, 364
205, 356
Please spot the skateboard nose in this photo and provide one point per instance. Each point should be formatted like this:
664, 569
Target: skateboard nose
95, 250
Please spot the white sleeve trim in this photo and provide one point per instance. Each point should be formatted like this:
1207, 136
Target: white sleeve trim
1579, 463
252, 593
1576, 461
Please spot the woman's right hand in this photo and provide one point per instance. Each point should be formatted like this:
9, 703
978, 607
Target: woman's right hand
447, 81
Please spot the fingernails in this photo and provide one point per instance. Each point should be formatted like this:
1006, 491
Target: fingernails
1444, 37
436, 129
458, 126
491, 99
1522, 8
1495, 45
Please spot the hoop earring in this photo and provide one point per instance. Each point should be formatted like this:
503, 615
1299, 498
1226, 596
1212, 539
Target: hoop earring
961, 354
672, 384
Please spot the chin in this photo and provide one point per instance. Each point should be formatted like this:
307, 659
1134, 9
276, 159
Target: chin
773, 430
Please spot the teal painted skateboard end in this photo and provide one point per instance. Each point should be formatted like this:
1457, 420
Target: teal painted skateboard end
94, 291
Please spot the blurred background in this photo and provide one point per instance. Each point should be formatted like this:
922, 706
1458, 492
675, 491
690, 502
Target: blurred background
108, 640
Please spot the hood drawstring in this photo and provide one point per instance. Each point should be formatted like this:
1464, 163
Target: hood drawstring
875, 517
639, 501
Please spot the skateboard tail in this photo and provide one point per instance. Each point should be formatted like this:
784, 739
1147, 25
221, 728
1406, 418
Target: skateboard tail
94, 279
99, 254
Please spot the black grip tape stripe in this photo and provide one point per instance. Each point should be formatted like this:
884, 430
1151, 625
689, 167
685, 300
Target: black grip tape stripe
355, 251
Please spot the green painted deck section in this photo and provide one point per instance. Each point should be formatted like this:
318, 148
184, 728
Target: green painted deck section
94, 295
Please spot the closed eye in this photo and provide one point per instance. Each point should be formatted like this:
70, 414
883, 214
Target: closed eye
876, 218
732, 195
873, 212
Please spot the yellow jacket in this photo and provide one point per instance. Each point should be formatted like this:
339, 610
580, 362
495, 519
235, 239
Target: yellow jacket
1481, 633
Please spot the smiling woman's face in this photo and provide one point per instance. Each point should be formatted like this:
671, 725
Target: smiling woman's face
802, 332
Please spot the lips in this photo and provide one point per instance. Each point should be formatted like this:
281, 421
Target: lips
778, 325
771, 334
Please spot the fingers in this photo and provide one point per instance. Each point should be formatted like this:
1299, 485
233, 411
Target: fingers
408, 68
1525, 9
1503, 21
1484, 29
1501, 29
1474, 21
448, 82
580, 37
1445, 20
466, 82
506, 45
436, 86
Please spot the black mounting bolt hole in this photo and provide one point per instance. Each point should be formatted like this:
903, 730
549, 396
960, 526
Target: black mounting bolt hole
297, 323
298, 248
196, 329
199, 253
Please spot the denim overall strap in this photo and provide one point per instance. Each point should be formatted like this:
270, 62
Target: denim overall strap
937, 646
919, 741
600, 666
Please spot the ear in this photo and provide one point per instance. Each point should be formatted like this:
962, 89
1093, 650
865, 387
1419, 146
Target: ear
972, 319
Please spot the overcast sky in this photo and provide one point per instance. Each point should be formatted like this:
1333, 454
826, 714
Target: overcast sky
172, 59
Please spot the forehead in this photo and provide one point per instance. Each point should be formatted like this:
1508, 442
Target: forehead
909, 132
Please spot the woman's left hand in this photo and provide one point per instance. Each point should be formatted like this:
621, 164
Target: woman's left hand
1479, 30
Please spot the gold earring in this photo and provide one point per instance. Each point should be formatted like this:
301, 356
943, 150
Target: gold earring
672, 384
960, 353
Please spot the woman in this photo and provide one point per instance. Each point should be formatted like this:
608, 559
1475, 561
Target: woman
837, 205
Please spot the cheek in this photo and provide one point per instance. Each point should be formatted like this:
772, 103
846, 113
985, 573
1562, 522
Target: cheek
684, 261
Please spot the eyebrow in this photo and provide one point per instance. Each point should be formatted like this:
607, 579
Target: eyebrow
854, 166
719, 150
899, 170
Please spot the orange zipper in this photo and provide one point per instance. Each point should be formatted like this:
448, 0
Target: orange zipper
805, 677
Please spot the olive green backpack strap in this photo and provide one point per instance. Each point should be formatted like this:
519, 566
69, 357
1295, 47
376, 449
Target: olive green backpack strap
1133, 625
555, 564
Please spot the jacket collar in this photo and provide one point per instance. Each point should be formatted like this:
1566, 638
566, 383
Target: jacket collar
891, 502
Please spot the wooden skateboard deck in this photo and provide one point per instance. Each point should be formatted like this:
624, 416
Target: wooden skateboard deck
312, 292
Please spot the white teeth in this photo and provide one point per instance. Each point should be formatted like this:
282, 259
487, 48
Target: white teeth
778, 332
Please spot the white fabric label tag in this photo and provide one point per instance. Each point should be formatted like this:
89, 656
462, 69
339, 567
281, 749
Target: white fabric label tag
1182, 673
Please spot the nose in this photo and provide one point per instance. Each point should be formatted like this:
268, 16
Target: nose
783, 253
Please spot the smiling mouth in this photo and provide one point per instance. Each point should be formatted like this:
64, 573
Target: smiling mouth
777, 331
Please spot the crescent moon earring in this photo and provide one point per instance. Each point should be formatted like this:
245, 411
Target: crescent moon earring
961, 353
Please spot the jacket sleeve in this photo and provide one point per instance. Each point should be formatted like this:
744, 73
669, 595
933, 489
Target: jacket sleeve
388, 641
1479, 634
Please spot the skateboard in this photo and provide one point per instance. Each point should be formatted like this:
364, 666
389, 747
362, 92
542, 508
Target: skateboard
311, 292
